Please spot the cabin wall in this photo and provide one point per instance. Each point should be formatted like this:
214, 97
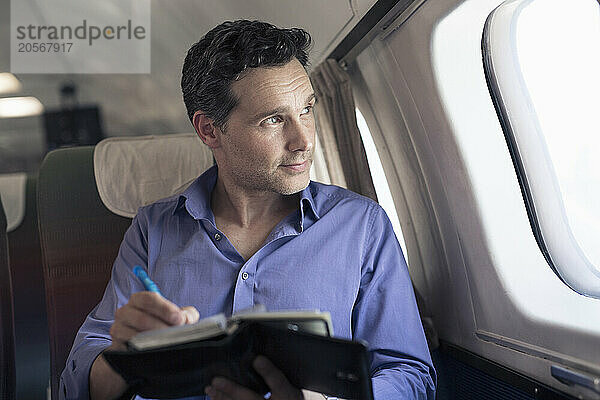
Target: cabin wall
470, 247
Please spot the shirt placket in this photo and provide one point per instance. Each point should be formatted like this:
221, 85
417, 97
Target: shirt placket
245, 287
243, 296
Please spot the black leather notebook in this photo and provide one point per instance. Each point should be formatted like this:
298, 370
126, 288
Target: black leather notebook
335, 367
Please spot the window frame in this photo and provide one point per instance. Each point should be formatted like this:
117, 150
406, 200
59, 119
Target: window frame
534, 169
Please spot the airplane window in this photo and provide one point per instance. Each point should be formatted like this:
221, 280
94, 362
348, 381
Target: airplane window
548, 103
567, 109
382, 189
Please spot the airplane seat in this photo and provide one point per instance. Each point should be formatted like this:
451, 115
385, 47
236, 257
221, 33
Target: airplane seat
79, 240
32, 355
7, 339
86, 199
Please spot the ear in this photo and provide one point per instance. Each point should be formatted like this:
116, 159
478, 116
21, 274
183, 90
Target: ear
206, 129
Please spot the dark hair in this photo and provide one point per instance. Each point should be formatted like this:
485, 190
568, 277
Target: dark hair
224, 53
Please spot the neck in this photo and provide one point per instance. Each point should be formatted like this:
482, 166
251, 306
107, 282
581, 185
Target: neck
245, 209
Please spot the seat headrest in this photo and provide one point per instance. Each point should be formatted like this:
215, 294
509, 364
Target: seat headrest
12, 192
132, 172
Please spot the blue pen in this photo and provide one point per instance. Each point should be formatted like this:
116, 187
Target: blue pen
145, 279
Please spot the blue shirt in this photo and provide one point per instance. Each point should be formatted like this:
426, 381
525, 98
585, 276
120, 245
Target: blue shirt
336, 253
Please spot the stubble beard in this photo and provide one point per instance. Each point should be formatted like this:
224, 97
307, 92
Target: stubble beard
274, 178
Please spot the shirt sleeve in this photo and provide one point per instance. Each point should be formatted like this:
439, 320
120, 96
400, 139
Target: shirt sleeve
386, 316
93, 336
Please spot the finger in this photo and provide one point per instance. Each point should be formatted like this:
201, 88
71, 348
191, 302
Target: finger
274, 378
156, 305
191, 314
232, 390
214, 394
121, 334
137, 319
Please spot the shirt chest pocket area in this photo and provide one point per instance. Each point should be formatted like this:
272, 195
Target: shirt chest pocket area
307, 284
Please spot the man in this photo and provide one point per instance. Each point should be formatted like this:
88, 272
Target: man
255, 230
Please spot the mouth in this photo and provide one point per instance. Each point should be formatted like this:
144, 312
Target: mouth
298, 167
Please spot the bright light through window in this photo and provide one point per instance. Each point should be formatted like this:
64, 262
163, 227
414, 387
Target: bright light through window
384, 196
558, 45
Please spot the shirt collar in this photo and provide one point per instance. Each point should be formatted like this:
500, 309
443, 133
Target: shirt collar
307, 202
196, 198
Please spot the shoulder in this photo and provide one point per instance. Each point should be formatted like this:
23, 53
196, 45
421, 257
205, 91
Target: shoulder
332, 198
332, 195
343, 203
160, 209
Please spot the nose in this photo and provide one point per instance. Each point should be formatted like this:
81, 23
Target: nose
300, 136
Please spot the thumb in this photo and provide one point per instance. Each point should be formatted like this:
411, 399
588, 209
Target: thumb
191, 314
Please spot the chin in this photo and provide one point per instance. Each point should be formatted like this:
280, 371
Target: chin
294, 185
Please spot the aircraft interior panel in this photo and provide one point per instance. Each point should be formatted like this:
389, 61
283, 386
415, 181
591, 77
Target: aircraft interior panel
518, 303
504, 302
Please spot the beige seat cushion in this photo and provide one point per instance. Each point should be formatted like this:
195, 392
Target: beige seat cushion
135, 171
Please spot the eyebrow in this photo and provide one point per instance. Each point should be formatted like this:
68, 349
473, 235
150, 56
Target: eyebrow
280, 110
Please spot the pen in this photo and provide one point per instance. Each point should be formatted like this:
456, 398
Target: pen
143, 277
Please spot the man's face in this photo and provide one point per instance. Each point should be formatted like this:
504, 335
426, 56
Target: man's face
268, 140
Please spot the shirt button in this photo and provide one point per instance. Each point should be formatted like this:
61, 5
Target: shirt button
245, 276
217, 236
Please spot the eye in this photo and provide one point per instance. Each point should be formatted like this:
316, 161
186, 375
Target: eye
306, 110
276, 119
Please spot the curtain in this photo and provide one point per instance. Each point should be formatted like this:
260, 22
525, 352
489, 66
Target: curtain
338, 132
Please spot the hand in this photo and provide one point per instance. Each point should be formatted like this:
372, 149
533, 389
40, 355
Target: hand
281, 389
144, 311
147, 311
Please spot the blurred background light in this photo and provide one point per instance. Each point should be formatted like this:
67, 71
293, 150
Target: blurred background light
9, 83
16, 107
